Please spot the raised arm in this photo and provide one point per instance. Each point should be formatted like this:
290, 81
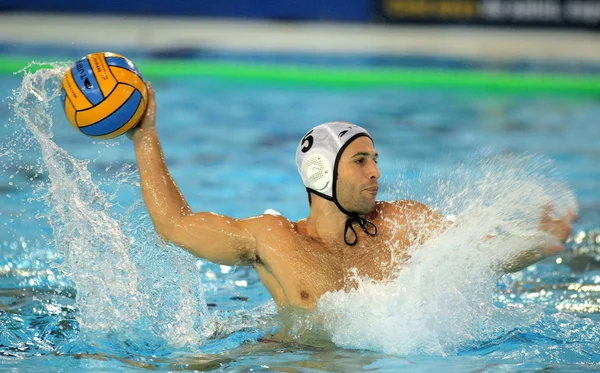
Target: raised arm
214, 237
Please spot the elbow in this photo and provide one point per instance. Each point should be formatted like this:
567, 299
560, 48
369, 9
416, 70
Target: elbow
164, 229
163, 234
167, 223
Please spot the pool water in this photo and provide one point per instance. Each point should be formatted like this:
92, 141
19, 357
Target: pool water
88, 286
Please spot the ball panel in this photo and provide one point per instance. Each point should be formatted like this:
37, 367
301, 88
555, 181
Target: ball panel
78, 99
106, 80
84, 77
124, 63
118, 118
109, 106
125, 76
132, 122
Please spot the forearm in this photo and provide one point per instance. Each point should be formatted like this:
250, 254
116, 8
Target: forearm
522, 260
163, 199
531, 249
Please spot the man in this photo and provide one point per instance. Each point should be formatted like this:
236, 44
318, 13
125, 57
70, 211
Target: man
347, 233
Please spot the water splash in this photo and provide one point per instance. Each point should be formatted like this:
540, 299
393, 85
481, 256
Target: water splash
444, 299
133, 290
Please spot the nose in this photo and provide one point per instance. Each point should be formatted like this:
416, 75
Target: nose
374, 171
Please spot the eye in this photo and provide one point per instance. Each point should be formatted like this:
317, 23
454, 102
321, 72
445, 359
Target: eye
360, 161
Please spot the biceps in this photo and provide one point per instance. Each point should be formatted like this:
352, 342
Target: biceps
214, 237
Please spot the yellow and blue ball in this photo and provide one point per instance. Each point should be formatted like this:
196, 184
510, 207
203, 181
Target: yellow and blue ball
103, 95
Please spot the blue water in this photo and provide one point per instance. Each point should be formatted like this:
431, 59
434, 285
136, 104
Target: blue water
88, 286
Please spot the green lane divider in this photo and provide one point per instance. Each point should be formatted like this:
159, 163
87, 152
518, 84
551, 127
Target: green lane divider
348, 77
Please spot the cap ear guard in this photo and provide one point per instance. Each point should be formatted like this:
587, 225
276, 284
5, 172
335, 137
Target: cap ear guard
317, 173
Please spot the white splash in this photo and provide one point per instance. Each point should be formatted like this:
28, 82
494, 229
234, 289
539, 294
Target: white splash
443, 299
128, 284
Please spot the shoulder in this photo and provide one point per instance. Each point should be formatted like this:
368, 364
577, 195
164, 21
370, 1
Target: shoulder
422, 220
273, 234
271, 223
413, 213
406, 207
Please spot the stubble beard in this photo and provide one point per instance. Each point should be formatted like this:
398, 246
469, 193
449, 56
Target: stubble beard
365, 207
358, 204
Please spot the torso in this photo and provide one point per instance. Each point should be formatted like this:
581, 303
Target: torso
298, 269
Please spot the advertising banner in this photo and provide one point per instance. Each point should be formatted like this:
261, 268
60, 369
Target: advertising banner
549, 13
329, 10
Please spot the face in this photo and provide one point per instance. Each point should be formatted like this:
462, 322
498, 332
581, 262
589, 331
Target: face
358, 175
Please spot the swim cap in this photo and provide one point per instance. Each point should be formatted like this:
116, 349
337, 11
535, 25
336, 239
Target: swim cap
319, 152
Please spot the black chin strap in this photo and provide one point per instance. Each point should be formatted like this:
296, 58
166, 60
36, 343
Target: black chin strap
365, 224
353, 217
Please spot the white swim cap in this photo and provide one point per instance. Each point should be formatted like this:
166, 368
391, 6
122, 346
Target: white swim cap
319, 152
317, 158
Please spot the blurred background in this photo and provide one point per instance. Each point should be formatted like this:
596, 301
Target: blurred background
560, 13
436, 82
503, 30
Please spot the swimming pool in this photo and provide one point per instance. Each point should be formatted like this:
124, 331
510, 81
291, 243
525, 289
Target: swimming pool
115, 298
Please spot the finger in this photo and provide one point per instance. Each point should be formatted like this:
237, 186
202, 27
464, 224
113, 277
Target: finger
569, 217
572, 215
150, 91
547, 212
566, 230
554, 247
151, 99
548, 207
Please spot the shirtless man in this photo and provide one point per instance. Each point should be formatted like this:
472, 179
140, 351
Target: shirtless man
347, 228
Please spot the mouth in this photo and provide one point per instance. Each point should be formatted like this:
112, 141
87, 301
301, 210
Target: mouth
373, 189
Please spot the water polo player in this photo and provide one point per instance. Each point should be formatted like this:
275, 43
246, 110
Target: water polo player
347, 233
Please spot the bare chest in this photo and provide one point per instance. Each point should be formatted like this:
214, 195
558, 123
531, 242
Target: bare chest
306, 269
